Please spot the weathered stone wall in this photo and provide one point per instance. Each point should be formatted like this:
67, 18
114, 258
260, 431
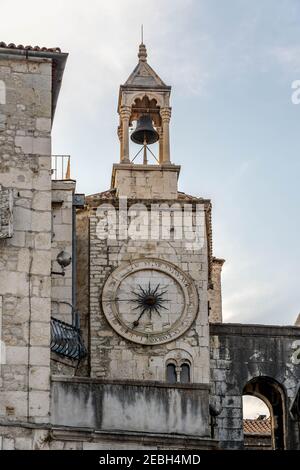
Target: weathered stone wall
65, 438
243, 353
114, 357
145, 181
25, 259
83, 280
62, 240
130, 406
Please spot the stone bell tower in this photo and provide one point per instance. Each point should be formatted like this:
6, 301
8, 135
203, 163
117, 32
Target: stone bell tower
144, 287
148, 287
145, 94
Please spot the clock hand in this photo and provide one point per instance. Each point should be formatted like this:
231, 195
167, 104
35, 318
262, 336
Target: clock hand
136, 322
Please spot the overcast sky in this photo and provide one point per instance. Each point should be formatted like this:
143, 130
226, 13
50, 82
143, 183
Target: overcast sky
234, 128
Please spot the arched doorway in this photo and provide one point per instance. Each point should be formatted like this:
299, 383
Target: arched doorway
271, 392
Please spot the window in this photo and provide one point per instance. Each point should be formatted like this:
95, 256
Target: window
185, 373
171, 374
178, 374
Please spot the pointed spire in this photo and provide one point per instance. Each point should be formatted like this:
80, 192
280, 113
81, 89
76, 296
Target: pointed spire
142, 55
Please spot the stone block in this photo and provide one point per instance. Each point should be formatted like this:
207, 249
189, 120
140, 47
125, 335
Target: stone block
8, 444
40, 356
40, 309
23, 443
40, 334
43, 124
41, 201
39, 378
41, 221
41, 262
16, 355
13, 403
39, 403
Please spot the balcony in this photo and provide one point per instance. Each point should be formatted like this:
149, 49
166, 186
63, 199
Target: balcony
66, 340
61, 167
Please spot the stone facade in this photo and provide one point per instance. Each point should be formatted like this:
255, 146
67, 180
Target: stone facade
161, 372
27, 102
255, 360
145, 181
111, 356
25, 258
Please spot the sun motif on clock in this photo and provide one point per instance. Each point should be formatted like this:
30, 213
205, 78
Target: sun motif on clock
149, 301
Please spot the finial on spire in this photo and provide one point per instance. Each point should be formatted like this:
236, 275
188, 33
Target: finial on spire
142, 55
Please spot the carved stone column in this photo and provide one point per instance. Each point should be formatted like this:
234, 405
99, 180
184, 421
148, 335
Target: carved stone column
120, 135
160, 142
125, 116
166, 116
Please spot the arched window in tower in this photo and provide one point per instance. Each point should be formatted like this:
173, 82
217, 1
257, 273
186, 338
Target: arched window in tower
185, 374
2, 92
178, 373
171, 373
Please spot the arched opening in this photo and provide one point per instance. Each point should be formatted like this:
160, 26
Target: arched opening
145, 106
185, 375
178, 373
171, 374
271, 393
256, 424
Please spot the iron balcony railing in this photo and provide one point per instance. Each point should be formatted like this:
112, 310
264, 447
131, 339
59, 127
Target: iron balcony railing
66, 340
61, 167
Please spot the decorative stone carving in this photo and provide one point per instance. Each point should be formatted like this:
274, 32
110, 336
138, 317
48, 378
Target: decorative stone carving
150, 301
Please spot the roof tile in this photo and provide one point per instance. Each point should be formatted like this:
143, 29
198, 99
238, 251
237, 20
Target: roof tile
29, 48
257, 426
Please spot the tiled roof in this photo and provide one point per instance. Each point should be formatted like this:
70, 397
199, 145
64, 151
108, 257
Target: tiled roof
30, 48
95, 199
257, 426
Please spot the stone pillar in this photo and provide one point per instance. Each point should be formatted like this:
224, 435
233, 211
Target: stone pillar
120, 135
166, 116
160, 142
125, 116
215, 294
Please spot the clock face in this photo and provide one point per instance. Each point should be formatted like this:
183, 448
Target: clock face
149, 301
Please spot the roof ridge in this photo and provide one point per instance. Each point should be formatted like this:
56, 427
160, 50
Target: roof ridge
29, 48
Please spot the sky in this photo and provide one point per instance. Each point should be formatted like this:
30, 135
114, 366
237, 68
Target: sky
234, 127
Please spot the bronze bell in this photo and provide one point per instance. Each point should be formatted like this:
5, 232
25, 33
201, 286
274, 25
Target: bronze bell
144, 132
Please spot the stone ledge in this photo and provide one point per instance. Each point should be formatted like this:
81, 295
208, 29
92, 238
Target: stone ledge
133, 383
91, 435
252, 330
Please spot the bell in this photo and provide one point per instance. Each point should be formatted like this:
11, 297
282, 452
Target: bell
144, 132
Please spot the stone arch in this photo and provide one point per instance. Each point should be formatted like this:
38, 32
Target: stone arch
2, 92
179, 358
150, 95
272, 393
